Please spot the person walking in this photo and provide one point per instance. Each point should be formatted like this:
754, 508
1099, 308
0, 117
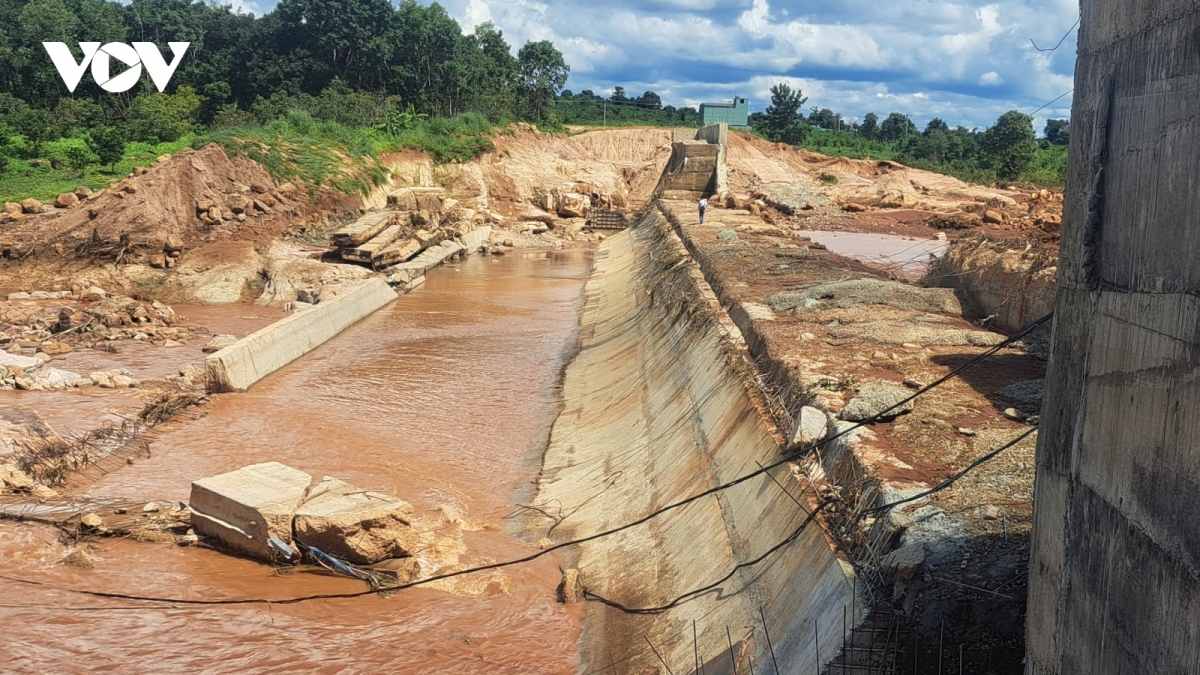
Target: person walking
703, 204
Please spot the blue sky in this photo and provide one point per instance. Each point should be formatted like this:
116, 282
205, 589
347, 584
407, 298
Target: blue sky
966, 61
963, 60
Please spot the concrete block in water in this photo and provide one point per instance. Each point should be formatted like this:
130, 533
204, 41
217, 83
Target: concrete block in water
356, 525
243, 509
240, 365
476, 239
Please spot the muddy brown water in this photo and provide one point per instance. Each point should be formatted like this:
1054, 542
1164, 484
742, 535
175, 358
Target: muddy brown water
906, 257
445, 399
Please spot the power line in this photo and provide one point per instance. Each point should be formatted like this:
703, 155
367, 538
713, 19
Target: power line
1051, 102
575, 542
1064, 37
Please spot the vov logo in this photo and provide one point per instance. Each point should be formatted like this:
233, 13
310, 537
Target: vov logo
100, 58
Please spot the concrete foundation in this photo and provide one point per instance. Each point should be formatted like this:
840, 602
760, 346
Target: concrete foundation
659, 406
1115, 568
238, 366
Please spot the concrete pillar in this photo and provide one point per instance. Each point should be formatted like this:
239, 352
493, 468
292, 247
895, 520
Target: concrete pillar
1115, 568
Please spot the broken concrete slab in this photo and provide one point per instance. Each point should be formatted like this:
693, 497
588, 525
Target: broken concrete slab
243, 509
356, 525
810, 427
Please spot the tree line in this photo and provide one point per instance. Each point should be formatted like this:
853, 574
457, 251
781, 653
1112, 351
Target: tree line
1006, 151
357, 62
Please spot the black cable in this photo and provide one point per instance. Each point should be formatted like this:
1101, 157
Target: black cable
575, 542
950, 481
1064, 38
704, 589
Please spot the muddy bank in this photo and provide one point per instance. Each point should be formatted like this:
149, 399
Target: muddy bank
836, 337
445, 399
659, 406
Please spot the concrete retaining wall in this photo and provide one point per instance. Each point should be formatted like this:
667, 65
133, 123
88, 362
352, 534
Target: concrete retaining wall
1115, 568
261, 353
659, 406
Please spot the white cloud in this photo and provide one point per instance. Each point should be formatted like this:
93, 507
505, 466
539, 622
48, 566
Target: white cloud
967, 61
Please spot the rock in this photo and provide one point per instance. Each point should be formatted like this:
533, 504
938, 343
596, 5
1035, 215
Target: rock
219, 342
11, 207
807, 336
83, 191
79, 558
151, 507
123, 381
727, 235
905, 562
853, 207
21, 295
172, 343
93, 294
31, 206
991, 513
809, 428
873, 399
187, 540
310, 295
102, 379
14, 478
356, 525
66, 200
245, 508
173, 243
158, 261
43, 492
91, 521
1026, 392
545, 543
993, 217
570, 589
571, 205
1014, 414
259, 188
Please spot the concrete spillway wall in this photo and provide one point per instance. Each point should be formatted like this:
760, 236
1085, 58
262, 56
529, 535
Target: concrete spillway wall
240, 365
658, 406
1115, 567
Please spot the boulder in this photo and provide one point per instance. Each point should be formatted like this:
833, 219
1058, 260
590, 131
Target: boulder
993, 217
93, 294
83, 191
905, 562
244, 509
571, 205
173, 243
11, 207
810, 427
873, 399
356, 525
158, 261
66, 200
31, 206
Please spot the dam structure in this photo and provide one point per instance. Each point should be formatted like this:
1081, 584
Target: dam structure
1115, 567
660, 405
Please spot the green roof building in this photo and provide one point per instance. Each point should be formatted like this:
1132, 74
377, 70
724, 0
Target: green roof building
734, 114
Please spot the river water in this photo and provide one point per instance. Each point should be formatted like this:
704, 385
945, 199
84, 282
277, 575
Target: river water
444, 399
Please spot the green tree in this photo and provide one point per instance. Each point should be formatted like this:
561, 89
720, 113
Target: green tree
869, 128
109, 145
79, 157
936, 124
783, 115
349, 37
165, 117
543, 73
896, 127
1010, 144
36, 125
649, 100
1058, 132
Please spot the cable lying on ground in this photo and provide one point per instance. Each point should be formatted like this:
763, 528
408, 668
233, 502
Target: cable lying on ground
599, 535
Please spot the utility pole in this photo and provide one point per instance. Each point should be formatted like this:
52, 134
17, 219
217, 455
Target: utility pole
605, 113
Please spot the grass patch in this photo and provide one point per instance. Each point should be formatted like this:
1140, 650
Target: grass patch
347, 158
36, 178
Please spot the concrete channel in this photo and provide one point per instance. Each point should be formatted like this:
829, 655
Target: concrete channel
659, 406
